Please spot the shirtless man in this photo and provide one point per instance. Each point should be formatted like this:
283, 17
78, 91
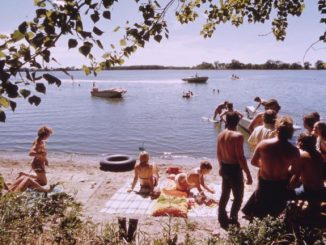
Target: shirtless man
194, 179
273, 157
147, 173
219, 109
229, 108
310, 168
271, 104
232, 162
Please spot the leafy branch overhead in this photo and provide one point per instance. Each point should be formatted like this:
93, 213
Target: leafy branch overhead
29, 48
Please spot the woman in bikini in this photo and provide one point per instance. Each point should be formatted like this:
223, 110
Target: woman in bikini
147, 173
39, 162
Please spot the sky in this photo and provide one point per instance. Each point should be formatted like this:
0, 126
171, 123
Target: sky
185, 46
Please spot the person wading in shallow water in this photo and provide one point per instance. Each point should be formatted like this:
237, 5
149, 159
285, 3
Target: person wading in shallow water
232, 162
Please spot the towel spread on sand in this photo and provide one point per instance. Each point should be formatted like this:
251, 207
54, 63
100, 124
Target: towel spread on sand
123, 202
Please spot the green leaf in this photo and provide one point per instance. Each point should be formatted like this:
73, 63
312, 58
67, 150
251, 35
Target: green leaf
2, 116
97, 31
123, 42
72, 43
23, 27
99, 44
86, 70
2, 54
95, 16
107, 15
34, 100
25, 93
40, 88
158, 38
107, 3
17, 35
13, 105
2, 36
4, 102
85, 49
12, 90
116, 29
52, 79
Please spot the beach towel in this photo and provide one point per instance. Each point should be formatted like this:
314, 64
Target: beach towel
168, 205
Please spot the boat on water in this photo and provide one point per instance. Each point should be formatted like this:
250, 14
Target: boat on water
250, 113
108, 93
195, 79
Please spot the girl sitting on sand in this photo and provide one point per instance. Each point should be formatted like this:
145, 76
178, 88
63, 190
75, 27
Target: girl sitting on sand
39, 153
147, 173
194, 179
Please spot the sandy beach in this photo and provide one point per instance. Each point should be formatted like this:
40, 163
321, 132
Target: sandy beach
82, 178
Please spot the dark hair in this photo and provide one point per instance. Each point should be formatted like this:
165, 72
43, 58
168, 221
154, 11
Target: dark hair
232, 119
284, 128
270, 116
311, 118
322, 128
307, 142
44, 131
272, 103
229, 105
205, 165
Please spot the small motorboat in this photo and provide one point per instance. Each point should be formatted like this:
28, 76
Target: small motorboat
250, 113
108, 93
195, 79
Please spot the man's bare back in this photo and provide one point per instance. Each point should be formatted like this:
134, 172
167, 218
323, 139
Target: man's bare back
274, 157
311, 171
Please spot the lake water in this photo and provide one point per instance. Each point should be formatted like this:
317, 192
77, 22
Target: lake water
153, 112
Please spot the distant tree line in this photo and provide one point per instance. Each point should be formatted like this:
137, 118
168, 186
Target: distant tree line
234, 65
268, 65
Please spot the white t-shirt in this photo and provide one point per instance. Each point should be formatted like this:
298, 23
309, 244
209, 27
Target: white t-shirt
260, 133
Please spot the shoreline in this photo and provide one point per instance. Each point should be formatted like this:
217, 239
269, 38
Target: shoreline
82, 178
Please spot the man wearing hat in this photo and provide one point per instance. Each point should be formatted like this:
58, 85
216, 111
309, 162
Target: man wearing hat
271, 104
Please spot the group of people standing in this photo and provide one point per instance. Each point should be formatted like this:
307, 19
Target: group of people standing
285, 171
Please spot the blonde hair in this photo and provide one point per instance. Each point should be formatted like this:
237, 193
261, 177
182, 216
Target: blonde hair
142, 155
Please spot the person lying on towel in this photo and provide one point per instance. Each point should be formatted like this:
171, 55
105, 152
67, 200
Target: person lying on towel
194, 179
147, 173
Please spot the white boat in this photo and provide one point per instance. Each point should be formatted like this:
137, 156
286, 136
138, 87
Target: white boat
108, 93
250, 113
195, 79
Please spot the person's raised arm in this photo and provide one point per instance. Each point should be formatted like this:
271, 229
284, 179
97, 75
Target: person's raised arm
254, 122
241, 158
